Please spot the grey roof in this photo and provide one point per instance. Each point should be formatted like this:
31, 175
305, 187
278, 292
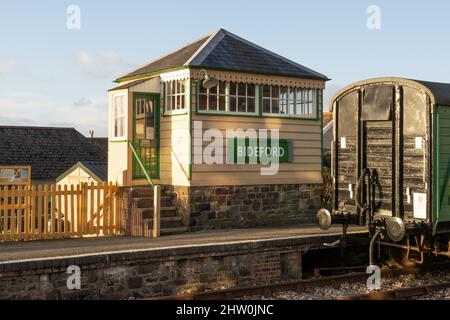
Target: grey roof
100, 169
49, 151
223, 50
441, 91
101, 142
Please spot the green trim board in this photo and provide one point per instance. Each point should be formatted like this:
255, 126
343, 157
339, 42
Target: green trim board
154, 172
189, 107
118, 141
150, 74
320, 109
259, 113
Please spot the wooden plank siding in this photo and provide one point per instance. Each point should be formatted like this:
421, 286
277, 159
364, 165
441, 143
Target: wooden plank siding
305, 168
176, 149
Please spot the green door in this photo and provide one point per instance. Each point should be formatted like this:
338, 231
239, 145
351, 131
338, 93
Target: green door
146, 134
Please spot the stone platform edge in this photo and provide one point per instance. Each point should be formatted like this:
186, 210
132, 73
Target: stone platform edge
55, 264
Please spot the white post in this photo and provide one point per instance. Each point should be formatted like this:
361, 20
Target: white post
156, 211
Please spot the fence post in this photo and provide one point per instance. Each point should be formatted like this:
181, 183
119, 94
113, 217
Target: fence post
156, 211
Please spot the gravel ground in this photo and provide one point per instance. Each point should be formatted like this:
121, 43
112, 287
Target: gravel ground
349, 289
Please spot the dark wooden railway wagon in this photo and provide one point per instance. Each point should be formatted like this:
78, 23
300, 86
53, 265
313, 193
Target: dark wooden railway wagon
391, 161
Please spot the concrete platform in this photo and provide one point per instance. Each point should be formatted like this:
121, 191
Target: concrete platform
34, 250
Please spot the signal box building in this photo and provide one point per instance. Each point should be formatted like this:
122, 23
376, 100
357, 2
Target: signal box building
179, 121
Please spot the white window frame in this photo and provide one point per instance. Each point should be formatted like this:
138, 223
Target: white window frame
299, 103
176, 94
124, 116
227, 101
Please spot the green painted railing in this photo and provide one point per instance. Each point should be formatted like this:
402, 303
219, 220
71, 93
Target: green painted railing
141, 164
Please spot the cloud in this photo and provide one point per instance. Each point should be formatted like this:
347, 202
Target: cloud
101, 65
82, 102
9, 68
41, 110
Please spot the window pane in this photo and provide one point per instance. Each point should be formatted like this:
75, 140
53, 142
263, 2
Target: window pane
275, 106
182, 89
241, 104
266, 91
174, 102
202, 90
266, 105
275, 92
213, 102
233, 88
251, 91
283, 106
291, 107
168, 103
299, 108
203, 102
222, 103
222, 87
181, 106
213, 90
284, 93
242, 89
233, 104
250, 104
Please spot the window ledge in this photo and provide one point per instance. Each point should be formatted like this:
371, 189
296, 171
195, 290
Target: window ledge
176, 112
118, 140
227, 113
276, 115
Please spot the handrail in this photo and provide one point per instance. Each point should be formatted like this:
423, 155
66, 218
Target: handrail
138, 159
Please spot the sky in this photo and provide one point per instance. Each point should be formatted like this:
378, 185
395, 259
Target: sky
58, 76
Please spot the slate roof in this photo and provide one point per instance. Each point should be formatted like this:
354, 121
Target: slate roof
224, 50
101, 142
100, 169
49, 151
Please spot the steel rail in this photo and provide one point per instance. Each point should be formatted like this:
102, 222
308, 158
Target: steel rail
398, 294
267, 290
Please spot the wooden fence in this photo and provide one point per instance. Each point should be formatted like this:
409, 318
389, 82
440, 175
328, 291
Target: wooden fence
53, 212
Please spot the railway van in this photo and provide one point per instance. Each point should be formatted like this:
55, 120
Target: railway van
390, 165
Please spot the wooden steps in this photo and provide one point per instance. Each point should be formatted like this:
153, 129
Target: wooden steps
171, 222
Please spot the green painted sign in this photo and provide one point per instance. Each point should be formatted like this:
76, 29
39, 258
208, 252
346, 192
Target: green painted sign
254, 151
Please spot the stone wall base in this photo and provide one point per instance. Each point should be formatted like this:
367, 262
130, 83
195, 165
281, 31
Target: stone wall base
211, 208
206, 208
